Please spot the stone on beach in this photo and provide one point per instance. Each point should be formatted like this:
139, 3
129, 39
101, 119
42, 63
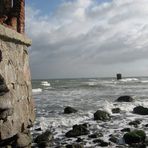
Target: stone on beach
101, 115
69, 110
78, 130
136, 136
125, 99
116, 110
140, 110
45, 139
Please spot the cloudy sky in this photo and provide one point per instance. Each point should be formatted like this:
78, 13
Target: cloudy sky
87, 38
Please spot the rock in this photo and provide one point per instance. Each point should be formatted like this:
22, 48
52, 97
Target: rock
101, 115
95, 135
23, 140
16, 102
69, 110
116, 110
113, 139
125, 99
135, 123
140, 110
126, 130
45, 139
101, 142
74, 146
77, 130
4, 113
79, 140
136, 136
3, 87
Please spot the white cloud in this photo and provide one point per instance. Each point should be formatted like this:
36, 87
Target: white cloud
85, 38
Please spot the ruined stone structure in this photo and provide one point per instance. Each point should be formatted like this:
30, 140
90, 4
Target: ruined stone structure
16, 103
12, 14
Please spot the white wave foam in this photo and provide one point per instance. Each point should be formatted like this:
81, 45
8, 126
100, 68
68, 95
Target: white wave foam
144, 81
91, 83
45, 83
129, 80
37, 90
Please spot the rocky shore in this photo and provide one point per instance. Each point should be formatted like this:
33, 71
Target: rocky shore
79, 136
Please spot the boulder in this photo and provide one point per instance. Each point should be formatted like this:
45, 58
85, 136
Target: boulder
116, 110
69, 110
101, 142
136, 136
23, 140
74, 146
125, 99
77, 130
140, 110
45, 139
113, 139
135, 123
101, 115
126, 130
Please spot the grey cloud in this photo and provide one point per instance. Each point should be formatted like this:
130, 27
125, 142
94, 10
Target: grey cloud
109, 36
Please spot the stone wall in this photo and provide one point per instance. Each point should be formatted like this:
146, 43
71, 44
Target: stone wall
16, 103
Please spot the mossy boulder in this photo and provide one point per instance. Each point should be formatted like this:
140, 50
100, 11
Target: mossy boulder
101, 115
136, 136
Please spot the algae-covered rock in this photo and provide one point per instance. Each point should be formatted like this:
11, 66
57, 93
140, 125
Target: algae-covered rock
135, 136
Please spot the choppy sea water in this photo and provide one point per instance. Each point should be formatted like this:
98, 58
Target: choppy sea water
87, 96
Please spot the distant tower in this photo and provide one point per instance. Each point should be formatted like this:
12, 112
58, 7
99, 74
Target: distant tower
119, 76
12, 14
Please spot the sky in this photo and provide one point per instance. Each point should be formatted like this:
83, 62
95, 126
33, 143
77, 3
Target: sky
87, 38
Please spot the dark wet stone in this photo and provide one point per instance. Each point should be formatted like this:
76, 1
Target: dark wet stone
136, 136
74, 146
135, 123
125, 99
79, 140
45, 139
77, 130
126, 130
101, 142
69, 110
101, 115
95, 135
140, 110
113, 139
116, 110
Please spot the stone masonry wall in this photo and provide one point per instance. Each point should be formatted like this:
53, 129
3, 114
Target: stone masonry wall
16, 103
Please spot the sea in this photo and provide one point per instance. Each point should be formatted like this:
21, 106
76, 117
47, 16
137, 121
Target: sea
87, 96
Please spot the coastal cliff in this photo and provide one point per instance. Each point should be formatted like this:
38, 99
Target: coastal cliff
16, 103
